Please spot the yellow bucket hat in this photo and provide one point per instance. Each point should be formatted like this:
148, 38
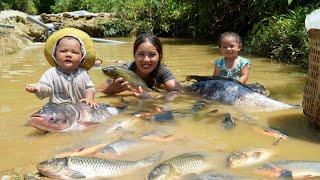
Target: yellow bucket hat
85, 40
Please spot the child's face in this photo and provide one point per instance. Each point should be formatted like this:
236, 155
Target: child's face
68, 53
146, 58
230, 47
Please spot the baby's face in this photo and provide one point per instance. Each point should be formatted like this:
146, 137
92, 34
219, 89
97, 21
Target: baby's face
68, 53
230, 47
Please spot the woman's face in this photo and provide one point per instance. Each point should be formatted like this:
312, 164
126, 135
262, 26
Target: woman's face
146, 58
68, 54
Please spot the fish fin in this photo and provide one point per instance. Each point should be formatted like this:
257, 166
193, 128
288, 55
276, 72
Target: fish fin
286, 173
277, 141
73, 174
122, 105
152, 158
88, 123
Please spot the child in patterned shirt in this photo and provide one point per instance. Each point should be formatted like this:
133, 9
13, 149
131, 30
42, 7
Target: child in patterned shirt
232, 65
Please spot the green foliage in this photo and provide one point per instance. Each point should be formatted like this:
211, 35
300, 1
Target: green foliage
27, 6
282, 37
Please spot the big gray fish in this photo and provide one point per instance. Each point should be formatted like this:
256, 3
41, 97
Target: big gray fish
68, 116
128, 75
291, 169
75, 167
229, 91
183, 164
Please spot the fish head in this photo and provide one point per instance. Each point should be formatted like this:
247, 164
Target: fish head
247, 157
237, 159
162, 172
53, 168
53, 117
110, 71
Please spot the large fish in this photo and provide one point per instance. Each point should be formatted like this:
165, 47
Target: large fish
68, 116
75, 167
291, 169
183, 164
127, 75
230, 91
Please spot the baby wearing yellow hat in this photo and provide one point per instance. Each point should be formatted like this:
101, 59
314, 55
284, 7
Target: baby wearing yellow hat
71, 53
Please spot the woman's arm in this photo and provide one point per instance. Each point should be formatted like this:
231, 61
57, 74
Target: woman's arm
113, 86
172, 85
244, 74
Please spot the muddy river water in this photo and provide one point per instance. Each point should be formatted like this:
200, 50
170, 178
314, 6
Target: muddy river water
21, 147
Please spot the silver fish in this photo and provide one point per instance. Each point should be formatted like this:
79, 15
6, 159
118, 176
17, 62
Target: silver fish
183, 164
120, 147
75, 167
291, 169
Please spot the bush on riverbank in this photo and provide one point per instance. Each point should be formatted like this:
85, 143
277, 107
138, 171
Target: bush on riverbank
282, 37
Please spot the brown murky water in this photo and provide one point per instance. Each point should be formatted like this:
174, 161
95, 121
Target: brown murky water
21, 147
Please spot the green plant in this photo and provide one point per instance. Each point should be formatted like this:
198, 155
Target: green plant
282, 37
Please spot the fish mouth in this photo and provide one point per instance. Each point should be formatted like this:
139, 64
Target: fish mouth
40, 123
48, 172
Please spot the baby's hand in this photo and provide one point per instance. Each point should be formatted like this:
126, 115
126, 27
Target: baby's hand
31, 88
89, 102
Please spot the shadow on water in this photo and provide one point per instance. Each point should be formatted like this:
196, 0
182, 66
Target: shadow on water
296, 126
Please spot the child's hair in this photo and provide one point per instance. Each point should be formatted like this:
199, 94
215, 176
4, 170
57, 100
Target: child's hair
230, 34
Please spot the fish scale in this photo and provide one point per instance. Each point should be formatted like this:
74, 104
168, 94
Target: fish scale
91, 166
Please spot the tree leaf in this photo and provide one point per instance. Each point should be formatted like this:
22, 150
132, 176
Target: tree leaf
289, 2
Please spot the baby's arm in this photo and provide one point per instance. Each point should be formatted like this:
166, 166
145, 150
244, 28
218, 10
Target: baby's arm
89, 98
41, 89
31, 88
244, 74
89, 92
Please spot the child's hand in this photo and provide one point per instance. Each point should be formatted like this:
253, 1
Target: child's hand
89, 102
31, 88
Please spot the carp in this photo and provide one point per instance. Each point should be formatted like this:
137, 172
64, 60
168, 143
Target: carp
127, 75
248, 156
230, 91
66, 117
75, 167
180, 165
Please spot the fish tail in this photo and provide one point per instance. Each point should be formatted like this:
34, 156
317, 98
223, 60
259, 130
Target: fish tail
151, 159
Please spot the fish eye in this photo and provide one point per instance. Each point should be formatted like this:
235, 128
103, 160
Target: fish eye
51, 118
